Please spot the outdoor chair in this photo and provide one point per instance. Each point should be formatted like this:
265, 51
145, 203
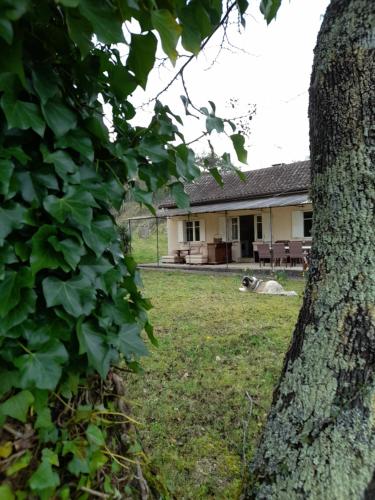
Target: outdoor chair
264, 253
296, 253
279, 253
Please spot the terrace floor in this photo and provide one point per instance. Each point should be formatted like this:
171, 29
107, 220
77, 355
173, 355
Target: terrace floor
232, 267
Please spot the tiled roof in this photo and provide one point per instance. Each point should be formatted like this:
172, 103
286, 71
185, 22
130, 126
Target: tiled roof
281, 178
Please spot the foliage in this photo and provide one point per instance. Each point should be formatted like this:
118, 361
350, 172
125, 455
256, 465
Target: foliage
70, 304
192, 395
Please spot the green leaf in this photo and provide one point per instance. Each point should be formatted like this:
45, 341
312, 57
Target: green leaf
269, 9
141, 57
94, 345
95, 435
6, 492
77, 204
80, 31
69, 3
121, 81
214, 123
129, 341
44, 478
153, 149
45, 84
43, 254
71, 249
238, 141
105, 20
9, 293
23, 115
19, 464
62, 162
178, 193
11, 218
58, 117
79, 141
19, 313
169, 31
100, 234
75, 295
42, 369
16, 9
6, 30
17, 406
217, 176
144, 197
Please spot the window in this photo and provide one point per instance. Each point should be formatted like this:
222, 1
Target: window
234, 228
192, 230
259, 228
307, 224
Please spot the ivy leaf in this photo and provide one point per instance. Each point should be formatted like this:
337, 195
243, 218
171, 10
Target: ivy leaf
6, 30
142, 56
19, 313
42, 369
58, 117
129, 341
151, 148
19, 464
269, 9
62, 162
17, 406
45, 478
43, 254
95, 435
178, 193
80, 31
100, 234
94, 345
6, 492
23, 115
106, 21
169, 31
77, 204
214, 123
45, 84
217, 176
11, 218
9, 293
72, 250
76, 139
144, 197
75, 295
238, 141
69, 3
6, 171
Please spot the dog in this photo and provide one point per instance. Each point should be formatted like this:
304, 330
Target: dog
271, 287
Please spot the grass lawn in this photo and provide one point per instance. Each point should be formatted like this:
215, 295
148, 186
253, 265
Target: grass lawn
216, 344
144, 249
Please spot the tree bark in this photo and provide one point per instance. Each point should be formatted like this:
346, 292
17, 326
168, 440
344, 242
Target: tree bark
319, 439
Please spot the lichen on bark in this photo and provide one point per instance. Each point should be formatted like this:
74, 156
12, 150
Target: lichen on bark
319, 439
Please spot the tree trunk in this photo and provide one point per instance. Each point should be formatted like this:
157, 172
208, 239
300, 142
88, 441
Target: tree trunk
319, 440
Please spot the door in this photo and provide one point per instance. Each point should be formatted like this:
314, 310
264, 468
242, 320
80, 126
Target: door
247, 235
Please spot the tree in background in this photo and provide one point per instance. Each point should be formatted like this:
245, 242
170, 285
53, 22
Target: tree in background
70, 309
319, 440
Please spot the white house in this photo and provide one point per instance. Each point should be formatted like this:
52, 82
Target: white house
228, 223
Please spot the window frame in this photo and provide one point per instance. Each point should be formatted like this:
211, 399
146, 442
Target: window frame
305, 218
258, 222
195, 230
235, 222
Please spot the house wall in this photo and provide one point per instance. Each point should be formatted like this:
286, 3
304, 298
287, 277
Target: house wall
281, 227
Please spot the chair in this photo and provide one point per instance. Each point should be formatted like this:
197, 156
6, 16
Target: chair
296, 252
279, 253
264, 253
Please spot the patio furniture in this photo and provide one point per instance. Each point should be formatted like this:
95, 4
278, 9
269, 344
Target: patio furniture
198, 258
264, 253
219, 253
279, 253
296, 252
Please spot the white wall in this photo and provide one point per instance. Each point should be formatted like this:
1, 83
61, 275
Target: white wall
281, 226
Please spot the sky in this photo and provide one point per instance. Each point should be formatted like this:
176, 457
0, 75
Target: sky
268, 66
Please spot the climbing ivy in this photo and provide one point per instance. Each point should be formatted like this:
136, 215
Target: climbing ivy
71, 309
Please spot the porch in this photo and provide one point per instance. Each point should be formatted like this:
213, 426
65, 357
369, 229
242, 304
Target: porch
240, 268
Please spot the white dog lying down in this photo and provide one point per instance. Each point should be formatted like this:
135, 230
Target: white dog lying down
252, 284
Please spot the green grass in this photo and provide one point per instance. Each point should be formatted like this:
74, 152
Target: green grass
144, 249
216, 344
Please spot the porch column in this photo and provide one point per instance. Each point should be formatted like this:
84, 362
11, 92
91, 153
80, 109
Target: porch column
157, 241
226, 238
271, 236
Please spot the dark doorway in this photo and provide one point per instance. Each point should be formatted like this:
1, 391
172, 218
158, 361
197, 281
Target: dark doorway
247, 235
